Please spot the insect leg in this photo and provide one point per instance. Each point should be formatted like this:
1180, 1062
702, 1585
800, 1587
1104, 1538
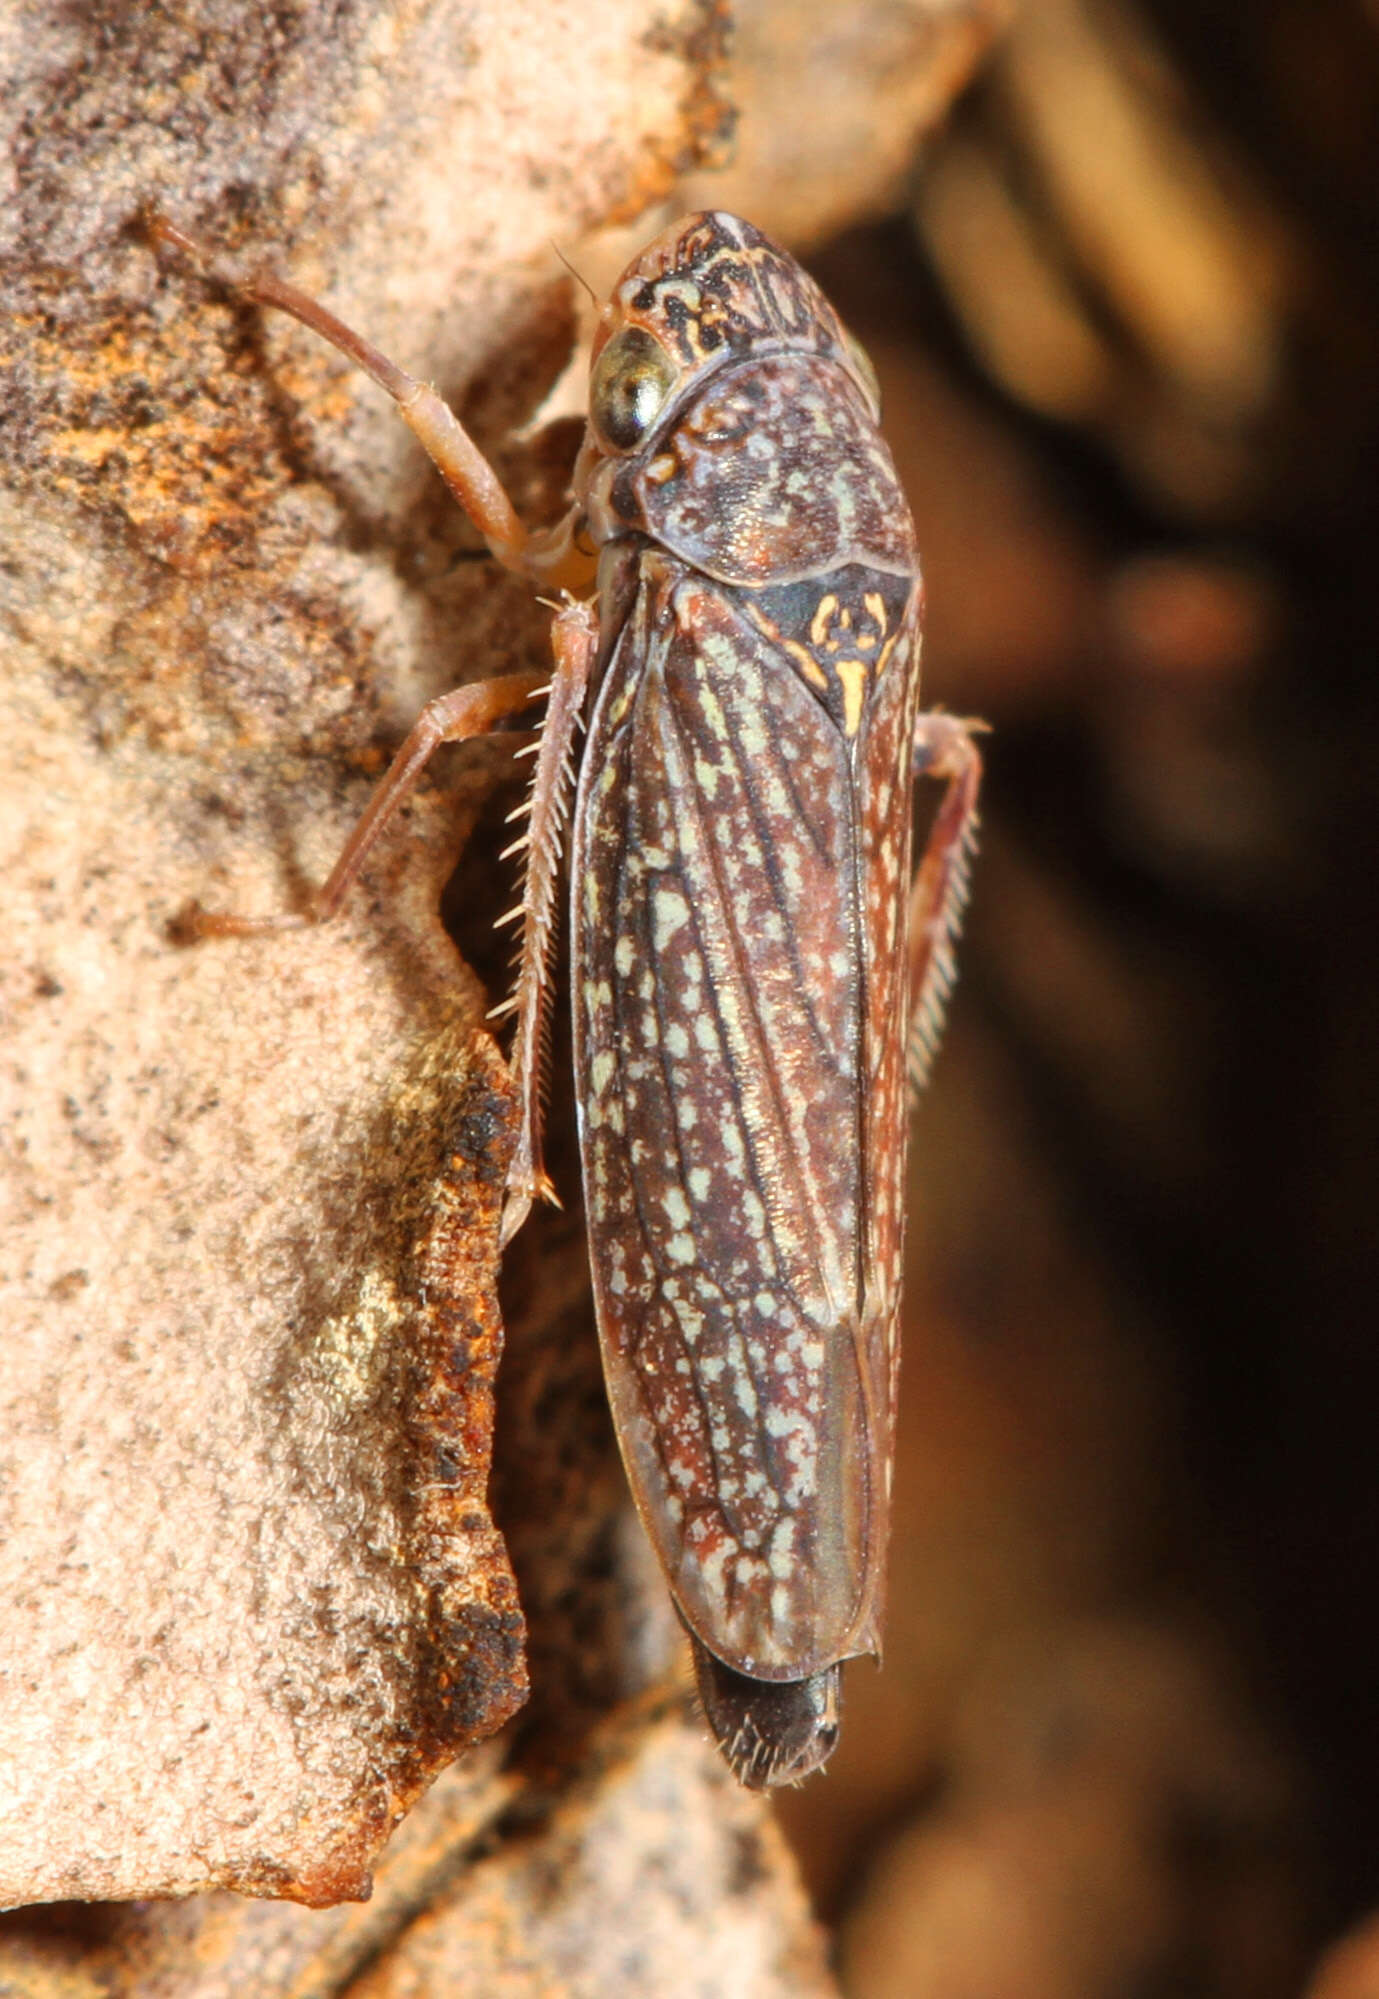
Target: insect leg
574, 638
459, 460
450, 718
943, 749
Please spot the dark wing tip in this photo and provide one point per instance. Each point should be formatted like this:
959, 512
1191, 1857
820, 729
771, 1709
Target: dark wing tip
770, 1731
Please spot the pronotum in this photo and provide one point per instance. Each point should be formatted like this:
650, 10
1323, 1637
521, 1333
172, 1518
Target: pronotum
753, 971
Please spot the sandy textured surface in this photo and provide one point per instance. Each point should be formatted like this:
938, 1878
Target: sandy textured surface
253, 1595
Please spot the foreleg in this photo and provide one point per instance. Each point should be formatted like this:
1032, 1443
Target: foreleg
574, 638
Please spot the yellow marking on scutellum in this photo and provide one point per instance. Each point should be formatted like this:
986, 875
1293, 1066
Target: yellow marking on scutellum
807, 663
823, 618
801, 655
832, 629
852, 675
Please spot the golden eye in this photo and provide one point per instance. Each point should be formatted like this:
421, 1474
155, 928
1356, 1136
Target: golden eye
631, 381
864, 371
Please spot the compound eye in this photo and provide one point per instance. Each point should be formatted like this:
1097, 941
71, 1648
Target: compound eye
632, 379
863, 369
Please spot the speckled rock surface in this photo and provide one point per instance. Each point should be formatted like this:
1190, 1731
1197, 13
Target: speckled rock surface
254, 1599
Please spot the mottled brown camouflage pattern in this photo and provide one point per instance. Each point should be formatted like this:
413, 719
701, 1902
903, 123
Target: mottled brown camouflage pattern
740, 870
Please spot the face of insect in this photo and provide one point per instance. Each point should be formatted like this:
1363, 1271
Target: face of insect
709, 289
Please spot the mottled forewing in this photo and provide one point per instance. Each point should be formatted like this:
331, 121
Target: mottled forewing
722, 1030
883, 766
